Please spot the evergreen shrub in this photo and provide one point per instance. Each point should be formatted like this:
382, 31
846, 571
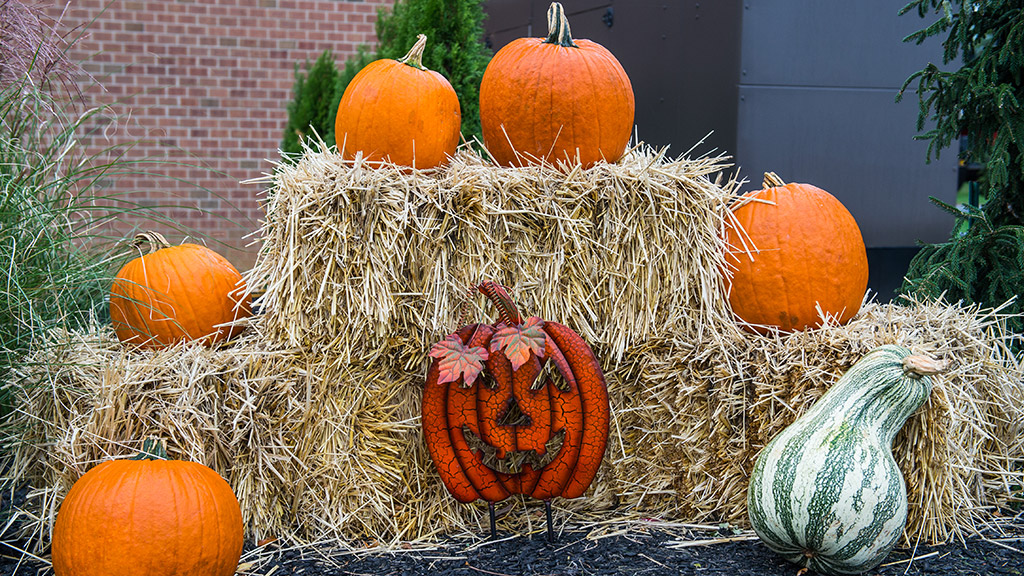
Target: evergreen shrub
983, 262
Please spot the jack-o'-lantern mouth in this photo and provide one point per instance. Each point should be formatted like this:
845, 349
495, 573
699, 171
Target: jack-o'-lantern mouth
514, 460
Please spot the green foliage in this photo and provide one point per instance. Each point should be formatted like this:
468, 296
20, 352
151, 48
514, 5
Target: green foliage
311, 110
455, 47
982, 99
353, 65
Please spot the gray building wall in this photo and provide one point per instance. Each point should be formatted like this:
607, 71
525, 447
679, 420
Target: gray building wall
818, 82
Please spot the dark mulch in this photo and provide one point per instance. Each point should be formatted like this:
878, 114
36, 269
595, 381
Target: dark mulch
651, 552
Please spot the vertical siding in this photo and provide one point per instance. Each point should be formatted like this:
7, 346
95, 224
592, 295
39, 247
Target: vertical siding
817, 104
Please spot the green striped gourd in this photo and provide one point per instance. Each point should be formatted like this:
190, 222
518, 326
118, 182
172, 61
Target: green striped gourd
826, 493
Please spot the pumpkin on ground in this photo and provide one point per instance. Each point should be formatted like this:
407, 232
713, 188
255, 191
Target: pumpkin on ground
555, 99
176, 293
497, 423
148, 516
826, 493
400, 112
794, 248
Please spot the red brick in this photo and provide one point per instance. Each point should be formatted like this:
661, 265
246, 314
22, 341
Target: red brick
211, 80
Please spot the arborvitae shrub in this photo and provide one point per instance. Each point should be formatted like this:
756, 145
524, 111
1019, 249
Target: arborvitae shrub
310, 108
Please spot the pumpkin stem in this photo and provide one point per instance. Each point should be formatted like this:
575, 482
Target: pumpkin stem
918, 366
152, 449
415, 56
558, 27
772, 180
496, 293
153, 240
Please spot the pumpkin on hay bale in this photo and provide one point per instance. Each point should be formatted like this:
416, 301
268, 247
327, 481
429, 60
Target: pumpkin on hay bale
555, 100
796, 255
398, 111
174, 294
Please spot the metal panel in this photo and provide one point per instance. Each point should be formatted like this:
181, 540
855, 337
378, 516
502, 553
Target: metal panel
505, 15
857, 144
531, 15
832, 43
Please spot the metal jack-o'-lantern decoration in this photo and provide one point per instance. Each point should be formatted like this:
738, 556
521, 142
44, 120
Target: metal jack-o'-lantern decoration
498, 422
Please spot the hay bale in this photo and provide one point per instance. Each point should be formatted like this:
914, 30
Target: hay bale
312, 447
320, 449
352, 256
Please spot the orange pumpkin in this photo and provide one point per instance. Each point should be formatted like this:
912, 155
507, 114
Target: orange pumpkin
148, 516
555, 99
400, 112
176, 293
800, 249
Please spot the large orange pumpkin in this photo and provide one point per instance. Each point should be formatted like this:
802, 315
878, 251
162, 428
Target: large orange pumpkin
148, 516
400, 112
176, 293
800, 249
555, 99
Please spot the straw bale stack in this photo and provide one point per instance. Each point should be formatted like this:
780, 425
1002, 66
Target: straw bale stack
313, 414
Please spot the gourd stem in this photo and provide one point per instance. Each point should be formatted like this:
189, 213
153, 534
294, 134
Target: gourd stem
152, 449
558, 27
918, 366
415, 56
496, 293
772, 180
153, 240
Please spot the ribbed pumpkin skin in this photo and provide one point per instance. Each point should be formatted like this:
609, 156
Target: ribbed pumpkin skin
397, 112
826, 492
809, 252
158, 518
549, 102
177, 293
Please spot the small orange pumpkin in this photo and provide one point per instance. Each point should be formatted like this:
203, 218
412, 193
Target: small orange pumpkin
400, 112
801, 249
176, 293
148, 516
555, 99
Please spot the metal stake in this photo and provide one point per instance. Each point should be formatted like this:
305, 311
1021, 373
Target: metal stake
494, 526
551, 528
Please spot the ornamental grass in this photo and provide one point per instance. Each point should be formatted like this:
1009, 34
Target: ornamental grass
312, 415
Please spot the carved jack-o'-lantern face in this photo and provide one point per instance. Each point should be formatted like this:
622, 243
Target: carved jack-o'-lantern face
500, 420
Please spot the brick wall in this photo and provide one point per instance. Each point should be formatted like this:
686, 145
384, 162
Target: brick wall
205, 83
